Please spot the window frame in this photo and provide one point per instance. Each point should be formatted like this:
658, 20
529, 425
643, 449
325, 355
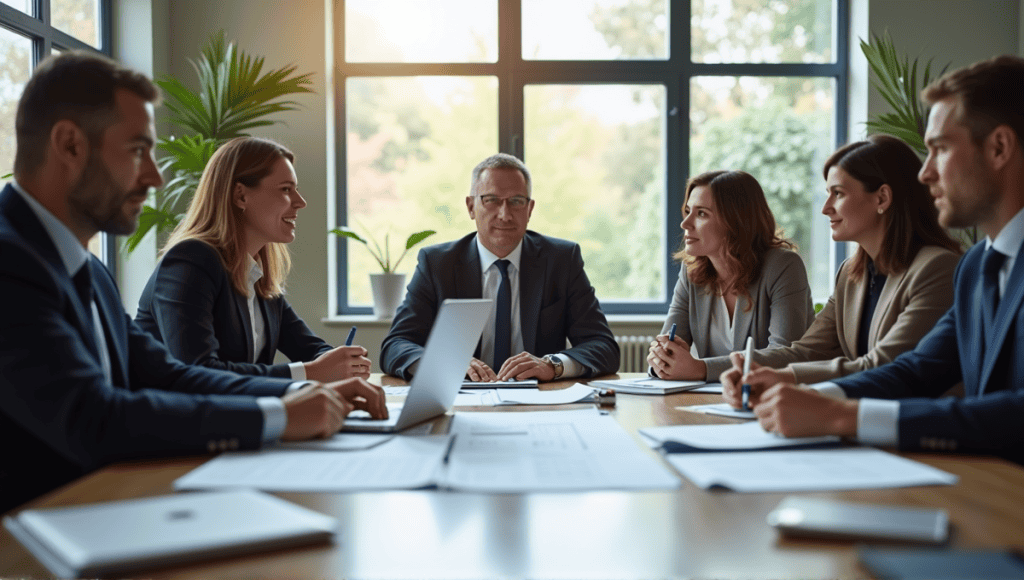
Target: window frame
45, 38
514, 73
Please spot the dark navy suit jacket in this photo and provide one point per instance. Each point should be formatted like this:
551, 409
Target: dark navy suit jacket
59, 415
190, 305
989, 418
556, 302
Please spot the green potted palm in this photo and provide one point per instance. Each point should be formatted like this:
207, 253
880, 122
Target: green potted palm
898, 82
234, 96
387, 286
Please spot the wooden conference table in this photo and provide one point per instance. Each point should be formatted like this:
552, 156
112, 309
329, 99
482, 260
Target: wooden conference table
685, 533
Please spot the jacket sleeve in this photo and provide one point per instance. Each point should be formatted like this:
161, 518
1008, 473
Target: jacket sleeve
295, 340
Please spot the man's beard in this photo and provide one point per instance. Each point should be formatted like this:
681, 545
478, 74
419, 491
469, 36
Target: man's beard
99, 201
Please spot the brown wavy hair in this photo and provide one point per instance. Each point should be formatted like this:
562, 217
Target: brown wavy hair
750, 231
213, 217
912, 221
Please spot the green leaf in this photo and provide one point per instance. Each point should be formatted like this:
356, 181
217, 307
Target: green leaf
151, 217
417, 238
348, 233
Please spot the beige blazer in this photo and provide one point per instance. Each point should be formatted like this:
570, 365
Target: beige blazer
780, 313
909, 306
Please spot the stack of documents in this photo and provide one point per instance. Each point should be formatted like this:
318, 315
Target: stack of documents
745, 458
493, 452
578, 393
649, 386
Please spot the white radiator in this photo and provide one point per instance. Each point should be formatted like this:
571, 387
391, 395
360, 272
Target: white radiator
634, 351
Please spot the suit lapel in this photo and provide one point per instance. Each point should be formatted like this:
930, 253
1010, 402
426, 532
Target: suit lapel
742, 320
112, 316
242, 310
272, 325
854, 309
703, 306
1008, 304
467, 277
885, 302
24, 221
531, 289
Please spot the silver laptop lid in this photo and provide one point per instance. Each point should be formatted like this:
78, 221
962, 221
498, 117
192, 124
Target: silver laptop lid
445, 359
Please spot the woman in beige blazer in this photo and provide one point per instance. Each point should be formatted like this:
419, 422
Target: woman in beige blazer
739, 278
903, 269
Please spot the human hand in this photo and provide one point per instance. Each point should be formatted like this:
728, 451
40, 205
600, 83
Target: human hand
341, 362
760, 379
672, 360
362, 395
313, 411
526, 366
793, 411
480, 372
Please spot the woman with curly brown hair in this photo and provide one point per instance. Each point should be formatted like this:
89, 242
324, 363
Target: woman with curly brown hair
739, 278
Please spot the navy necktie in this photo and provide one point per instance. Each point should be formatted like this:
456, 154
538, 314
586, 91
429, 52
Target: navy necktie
503, 319
990, 266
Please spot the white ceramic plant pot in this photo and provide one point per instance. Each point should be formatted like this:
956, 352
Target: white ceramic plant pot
388, 292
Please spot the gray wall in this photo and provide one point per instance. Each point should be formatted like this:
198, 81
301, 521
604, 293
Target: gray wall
172, 31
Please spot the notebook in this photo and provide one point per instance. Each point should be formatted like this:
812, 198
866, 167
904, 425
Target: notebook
122, 537
442, 367
648, 386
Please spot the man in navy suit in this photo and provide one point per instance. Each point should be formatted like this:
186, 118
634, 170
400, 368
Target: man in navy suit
80, 384
541, 294
975, 169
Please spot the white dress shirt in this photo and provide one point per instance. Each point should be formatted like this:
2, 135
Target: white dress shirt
259, 327
878, 419
490, 279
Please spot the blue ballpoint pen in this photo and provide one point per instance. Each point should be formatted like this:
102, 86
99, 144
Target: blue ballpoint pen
672, 333
747, 355
351, 336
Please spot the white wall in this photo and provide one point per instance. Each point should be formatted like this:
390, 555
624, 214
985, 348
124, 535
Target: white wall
283, 31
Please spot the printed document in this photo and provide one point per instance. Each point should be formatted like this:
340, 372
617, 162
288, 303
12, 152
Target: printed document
734, 437
720, 409
806, 470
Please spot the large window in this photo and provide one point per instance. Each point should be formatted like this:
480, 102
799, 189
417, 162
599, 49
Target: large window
612, 104
30, 30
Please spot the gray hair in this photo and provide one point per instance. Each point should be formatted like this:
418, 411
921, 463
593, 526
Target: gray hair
500, 161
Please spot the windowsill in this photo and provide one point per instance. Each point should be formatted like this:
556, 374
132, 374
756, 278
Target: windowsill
374, 322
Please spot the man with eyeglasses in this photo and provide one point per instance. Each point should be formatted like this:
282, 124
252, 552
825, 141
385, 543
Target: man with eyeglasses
542, 297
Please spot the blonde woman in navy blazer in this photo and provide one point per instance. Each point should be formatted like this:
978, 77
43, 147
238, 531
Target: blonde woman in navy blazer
222, 273
735, 264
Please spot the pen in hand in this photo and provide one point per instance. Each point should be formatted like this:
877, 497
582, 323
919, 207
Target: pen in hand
351, 336
672, 333
747, 355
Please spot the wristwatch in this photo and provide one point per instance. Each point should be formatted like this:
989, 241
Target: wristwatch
555, 361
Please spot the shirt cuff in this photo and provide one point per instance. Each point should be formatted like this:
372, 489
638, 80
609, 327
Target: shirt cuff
570, 368
298, 371
274, 418
830, 390
877, 421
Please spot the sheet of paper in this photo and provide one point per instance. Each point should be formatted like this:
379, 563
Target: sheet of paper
402, 463
574, 394
726, 438
806, 470
723, 409
524, 384
340, 442
708, 389
397, 391
548, 451
483, 398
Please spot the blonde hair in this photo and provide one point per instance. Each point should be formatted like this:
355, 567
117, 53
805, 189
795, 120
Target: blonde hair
213, 218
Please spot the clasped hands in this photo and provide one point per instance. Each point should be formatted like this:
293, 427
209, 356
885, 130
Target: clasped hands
319, 410
341, 362
519, 367
785, 408
671, 360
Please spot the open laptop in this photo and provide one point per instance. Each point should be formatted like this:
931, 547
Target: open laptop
441, 369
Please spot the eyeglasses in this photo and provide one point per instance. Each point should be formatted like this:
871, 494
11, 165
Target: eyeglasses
494, 202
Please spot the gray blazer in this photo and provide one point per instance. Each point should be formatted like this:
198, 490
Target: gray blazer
780, 313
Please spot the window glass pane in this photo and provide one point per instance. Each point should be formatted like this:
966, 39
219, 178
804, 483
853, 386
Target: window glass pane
23, 5
780, 130
96, 247
596, 154
79, 18
412, 145
420, 31
595, 29
15, 70
762, 31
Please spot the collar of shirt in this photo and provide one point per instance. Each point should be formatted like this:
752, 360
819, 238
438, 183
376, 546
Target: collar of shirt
70, 249
1010, 238
255, 273
487, 258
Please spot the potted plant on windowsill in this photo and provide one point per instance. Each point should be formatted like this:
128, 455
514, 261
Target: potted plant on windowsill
388, 286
